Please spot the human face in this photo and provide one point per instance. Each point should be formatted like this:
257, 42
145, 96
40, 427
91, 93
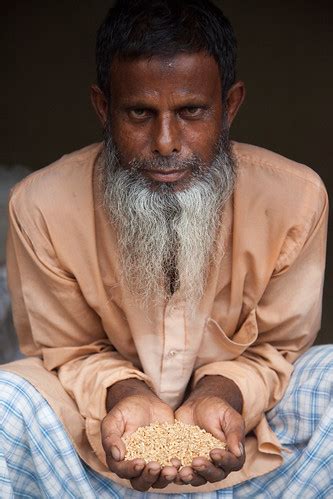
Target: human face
166, 107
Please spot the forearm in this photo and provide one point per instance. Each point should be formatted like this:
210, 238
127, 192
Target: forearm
218, 386
126, 388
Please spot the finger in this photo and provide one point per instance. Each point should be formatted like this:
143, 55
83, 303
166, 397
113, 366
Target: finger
126, 469
176, 462
185, 475
231, 436
217, 433
198, 480
112, 430
114, 447
235, 443
148, 477
235, 436
185, 416
227, 460
208, 470
167, 475
188, 477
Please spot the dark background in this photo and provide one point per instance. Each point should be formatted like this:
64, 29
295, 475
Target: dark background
285, 59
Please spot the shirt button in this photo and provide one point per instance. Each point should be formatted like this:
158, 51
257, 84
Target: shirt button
172, 354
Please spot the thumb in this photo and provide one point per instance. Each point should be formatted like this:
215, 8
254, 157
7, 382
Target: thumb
184, 415
235, 444
113, 428
234, 432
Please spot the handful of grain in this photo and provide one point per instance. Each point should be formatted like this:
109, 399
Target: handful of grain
162, 442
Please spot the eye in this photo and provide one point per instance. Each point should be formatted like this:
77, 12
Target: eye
138, 113
192, 111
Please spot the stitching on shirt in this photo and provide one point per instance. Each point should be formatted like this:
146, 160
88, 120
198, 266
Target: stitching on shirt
287, 258
265, 163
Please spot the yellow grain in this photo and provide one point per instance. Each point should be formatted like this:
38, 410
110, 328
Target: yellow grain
161, 442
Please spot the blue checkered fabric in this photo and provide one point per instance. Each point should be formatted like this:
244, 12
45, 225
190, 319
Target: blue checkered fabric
37, 458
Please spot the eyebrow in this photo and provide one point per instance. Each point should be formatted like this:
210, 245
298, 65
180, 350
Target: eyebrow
189, 101
142, 98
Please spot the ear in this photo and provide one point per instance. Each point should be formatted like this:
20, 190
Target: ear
100, 104
235, 98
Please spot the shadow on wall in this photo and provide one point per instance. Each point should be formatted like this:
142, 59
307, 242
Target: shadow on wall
9, 349
8, 341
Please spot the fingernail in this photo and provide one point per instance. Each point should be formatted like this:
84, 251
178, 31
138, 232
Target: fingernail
154, 470
138, 467
115, 453
241, 449
169, 477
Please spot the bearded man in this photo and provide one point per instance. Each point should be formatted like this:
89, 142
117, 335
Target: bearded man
167, 273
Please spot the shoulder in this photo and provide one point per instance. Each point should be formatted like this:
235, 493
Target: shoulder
65, 183
278, 203
263, 162
276, 181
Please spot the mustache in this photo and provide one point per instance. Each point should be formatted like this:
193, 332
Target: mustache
174, 164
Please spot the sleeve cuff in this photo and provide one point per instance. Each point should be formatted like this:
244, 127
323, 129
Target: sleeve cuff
87, 380
250, 384
97, 404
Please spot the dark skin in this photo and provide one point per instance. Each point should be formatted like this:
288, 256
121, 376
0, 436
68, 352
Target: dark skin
172, 108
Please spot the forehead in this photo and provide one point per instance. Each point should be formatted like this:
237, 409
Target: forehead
180, 75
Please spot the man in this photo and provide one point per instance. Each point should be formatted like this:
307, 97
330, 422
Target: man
167, 273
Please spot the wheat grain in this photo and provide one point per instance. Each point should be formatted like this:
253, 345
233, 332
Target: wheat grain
161, 442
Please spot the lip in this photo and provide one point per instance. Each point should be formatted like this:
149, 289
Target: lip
166, 176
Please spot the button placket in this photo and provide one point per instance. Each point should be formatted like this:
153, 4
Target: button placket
174, 338
171, 354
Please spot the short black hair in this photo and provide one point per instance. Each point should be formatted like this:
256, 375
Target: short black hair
139, 28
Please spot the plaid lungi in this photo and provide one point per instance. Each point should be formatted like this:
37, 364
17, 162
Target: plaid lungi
38, 460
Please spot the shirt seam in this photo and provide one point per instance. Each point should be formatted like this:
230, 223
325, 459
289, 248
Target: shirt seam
264, 163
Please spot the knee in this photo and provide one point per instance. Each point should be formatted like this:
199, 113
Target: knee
16, 414
13, 391
319, 356
315, 367
309, 392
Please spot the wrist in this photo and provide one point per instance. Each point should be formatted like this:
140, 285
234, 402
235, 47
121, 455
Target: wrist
126, 388
220, 387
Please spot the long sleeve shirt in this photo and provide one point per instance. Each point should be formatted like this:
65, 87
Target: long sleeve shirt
82, 332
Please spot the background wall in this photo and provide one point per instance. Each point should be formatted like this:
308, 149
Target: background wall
285, 59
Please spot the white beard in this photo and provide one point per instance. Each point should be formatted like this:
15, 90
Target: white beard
166, 237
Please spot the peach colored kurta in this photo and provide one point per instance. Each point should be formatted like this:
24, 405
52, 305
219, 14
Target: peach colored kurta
260, 311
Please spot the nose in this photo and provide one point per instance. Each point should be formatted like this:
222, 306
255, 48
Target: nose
166, 136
